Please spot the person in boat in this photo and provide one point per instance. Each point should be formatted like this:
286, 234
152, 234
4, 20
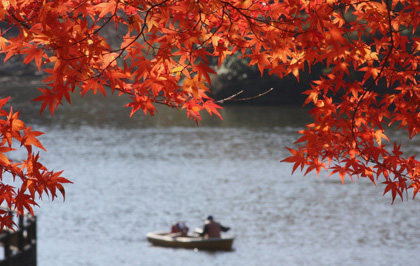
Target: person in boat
179, 228
212, 228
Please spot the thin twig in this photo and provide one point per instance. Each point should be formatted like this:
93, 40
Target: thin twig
231, 98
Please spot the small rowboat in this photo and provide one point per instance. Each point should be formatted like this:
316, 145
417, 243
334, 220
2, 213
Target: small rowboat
165, 239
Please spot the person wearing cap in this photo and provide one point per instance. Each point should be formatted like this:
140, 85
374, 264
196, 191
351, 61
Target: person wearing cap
212, 228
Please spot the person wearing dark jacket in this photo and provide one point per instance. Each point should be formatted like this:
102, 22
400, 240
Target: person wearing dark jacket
212, 228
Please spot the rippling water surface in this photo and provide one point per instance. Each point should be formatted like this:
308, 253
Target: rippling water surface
135, 175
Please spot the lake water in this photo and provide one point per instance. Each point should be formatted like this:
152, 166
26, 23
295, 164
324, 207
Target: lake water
136, 175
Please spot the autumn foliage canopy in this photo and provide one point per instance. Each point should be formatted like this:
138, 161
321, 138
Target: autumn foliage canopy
159, 52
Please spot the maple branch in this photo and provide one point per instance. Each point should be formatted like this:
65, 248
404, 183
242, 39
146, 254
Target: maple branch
79, 5
88, 36
261, 19
141, 33
249, 17
383, 63
231, 98
21, 22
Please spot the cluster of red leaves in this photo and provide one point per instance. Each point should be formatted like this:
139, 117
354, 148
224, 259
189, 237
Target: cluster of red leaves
35, 179
160, 54
373, 51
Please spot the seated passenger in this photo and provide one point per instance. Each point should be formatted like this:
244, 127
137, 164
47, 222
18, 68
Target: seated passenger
179, 228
